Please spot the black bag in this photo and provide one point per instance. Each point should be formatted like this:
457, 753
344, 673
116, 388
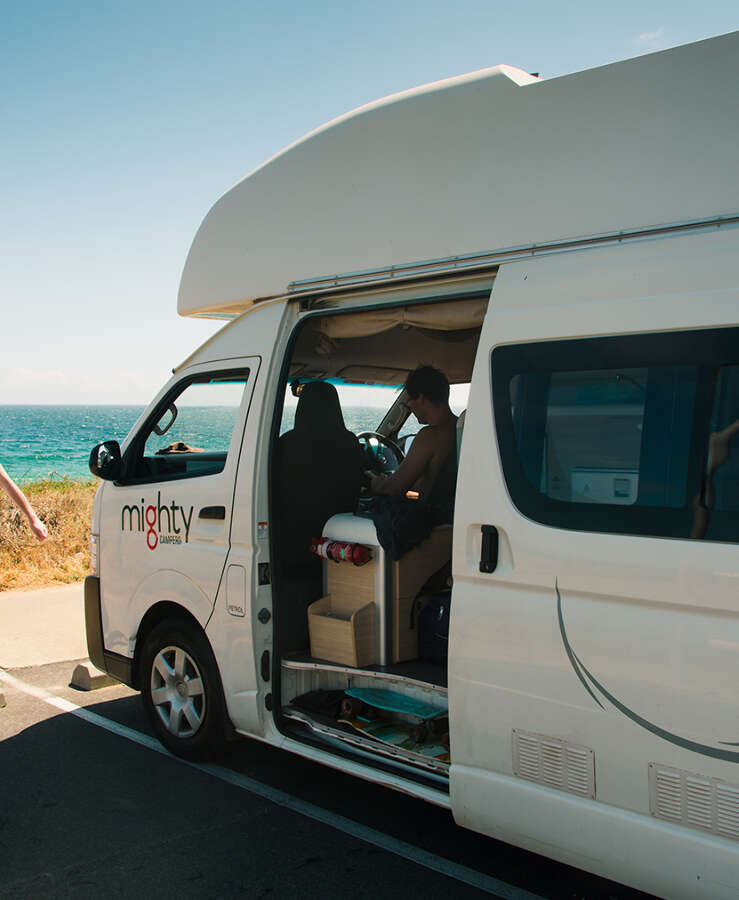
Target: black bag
433, 628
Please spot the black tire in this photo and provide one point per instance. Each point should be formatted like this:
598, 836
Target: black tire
181, 690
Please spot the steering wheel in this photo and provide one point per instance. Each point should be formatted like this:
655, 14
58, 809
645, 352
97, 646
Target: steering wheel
380, 452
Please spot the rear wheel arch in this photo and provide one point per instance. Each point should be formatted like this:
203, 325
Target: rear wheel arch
156, 614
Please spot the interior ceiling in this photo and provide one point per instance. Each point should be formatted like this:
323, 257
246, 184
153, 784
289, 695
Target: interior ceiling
389, 354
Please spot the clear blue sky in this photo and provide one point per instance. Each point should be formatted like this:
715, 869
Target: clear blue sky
122, 123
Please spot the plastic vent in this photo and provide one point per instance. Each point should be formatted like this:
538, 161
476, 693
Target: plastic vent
554, 762
727, 810
696, 801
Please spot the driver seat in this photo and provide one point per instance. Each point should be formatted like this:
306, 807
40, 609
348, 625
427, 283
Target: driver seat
317, 473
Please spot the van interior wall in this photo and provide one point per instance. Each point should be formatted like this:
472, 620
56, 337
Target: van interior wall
376, 347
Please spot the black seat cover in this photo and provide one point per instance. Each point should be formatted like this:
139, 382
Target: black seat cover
317, 473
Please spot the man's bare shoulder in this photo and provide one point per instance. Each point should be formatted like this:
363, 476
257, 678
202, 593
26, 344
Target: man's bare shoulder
423, 441
436, 434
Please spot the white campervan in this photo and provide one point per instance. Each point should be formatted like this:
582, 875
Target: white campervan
570, 250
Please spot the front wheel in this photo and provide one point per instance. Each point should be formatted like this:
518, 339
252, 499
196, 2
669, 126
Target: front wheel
181, 690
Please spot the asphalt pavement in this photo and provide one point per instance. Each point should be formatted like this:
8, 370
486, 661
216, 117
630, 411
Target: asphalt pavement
90, 802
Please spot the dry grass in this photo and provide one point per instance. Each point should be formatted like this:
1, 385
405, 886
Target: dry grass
64, 506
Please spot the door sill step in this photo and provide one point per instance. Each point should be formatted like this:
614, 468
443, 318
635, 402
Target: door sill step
369, 745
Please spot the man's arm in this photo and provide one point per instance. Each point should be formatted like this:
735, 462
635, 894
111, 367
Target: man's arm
20, 499
719, 450
409, 471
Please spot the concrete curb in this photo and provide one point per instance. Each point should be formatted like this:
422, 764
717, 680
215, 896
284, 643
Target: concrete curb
88, 678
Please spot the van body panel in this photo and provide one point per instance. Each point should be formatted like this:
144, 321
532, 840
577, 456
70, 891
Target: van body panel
622, 644
162, 586
657, 284
238, 637
155, 542
253, 326
653, 856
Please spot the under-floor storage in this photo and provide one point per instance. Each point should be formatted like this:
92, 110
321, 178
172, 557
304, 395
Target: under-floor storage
409, 724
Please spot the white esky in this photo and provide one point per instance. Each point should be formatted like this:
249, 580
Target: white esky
123, 123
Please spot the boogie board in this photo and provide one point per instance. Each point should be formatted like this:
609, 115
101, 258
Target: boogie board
420, 730
392, 701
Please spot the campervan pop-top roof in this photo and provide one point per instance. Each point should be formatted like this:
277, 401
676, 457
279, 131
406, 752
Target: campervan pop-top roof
491, 160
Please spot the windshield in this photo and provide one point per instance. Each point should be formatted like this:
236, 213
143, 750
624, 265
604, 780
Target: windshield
364, 406
458, 394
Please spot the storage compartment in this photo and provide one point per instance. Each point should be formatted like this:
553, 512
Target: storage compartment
314, 680
343, 630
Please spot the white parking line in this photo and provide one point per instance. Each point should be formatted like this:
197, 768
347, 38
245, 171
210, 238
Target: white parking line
392, 845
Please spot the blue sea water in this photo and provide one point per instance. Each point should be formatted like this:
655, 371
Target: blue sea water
55, 441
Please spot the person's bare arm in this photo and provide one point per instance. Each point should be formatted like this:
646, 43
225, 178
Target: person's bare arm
20, 499
409, 471
719, 449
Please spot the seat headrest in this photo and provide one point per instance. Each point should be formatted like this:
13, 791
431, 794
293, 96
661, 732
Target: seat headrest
318, 408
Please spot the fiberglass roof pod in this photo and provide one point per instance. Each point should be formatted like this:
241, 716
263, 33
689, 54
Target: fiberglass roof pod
485, 161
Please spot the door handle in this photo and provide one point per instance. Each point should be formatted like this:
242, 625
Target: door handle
212, 512
489, 548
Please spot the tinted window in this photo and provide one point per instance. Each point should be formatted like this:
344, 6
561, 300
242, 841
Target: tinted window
635, 435
189, 434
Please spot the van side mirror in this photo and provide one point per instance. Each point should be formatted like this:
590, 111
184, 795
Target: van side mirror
105, 460
163, 427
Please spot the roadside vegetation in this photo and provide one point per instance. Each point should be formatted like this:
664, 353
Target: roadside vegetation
64, 505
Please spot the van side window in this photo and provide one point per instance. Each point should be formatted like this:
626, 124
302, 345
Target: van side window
190, 432
592, 424
629, 435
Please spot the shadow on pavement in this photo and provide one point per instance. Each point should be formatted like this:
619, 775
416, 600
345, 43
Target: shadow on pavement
84, 810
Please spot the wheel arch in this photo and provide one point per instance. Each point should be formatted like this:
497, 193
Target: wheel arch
165, 609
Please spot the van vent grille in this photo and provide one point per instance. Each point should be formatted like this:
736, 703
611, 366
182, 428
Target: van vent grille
554, 763
694, 800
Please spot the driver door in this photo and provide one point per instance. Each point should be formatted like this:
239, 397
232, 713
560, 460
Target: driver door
168, 518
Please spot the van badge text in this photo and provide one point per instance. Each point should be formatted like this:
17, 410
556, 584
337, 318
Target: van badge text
159, 520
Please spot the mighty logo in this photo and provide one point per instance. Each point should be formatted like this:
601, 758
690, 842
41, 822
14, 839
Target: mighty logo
153, 519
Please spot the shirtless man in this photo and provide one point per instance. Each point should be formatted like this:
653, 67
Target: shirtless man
17, 496
427, 391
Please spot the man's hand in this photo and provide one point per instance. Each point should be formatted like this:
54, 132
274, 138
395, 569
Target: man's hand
375, 481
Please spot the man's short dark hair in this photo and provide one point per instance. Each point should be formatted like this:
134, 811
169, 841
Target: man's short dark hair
430, 382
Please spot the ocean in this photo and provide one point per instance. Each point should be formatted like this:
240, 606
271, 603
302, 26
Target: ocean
38, 442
